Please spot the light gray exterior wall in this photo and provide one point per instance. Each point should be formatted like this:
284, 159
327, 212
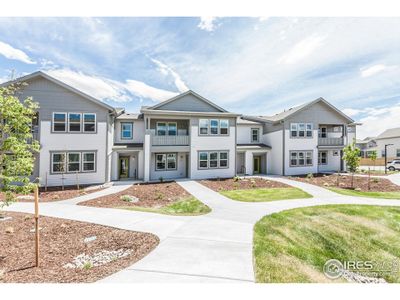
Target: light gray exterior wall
188, 103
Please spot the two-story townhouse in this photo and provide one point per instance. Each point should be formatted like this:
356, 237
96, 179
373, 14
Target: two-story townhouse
74, 131
308, 138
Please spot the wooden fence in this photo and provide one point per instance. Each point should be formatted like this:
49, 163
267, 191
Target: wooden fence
378, 161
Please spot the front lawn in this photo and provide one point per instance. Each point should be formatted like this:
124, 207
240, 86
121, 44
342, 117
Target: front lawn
70, 251
254, 189
163, 197
293, 246
266, 194
382, 195
187, 206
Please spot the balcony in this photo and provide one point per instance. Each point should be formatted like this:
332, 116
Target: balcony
170, 140
331, 141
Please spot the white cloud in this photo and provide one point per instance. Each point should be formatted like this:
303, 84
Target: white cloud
164, 69
366, 72
377, 120
351, 112
302, 49
12, 53
207, 23
108, 89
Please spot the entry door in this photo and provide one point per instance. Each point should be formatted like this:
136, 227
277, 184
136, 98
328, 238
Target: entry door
257, 164
123, 167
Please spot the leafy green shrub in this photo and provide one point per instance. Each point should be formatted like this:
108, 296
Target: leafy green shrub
310, 175
88, 265
125, 198
161, 179
236, 178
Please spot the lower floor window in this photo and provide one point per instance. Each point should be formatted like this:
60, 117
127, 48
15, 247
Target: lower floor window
301, 158
165, 161
73, 162
213, 159
322, 158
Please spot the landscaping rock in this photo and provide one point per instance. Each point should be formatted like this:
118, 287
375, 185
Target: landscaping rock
358, 278
100, 258
33, 229
357, 189
90, 239
2, 272
9, 230
129, 198
5, 218
26, 197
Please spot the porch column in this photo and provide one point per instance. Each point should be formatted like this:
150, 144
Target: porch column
248, 157
147, 156
114, 165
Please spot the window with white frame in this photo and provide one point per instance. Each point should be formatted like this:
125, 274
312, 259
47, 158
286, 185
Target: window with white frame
60, 122
166, 128
301, 130
74, 122
301, 158
165, 161
203, 125
89, 122
126, 130
223, 127
73, 162
254, 135
322, 157
213, 159
322, 132
89, 161
214, 127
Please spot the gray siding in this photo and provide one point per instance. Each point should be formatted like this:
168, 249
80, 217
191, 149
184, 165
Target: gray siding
188, 103
54, 98
319, 113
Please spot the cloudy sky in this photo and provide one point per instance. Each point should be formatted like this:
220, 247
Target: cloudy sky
254, 66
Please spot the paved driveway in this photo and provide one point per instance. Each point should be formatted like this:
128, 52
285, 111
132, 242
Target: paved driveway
216, 247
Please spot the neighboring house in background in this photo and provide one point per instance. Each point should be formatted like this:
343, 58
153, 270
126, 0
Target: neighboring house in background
83, 139
366, 146
389, 136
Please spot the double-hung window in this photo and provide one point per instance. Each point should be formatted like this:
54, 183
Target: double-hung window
322, 157
167, 128
309, 129
89, 122
126, 130
203, 160
59, 122
397, 152
165, 161
74, 162
301, 158
254, 135
214, 127
223, 127
301, 130
213, 159
203, 125
323, 132
58, 162
74, 122
89, 161
223, 159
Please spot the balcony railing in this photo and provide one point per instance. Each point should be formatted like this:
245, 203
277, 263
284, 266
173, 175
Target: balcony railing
170, 140
331, 141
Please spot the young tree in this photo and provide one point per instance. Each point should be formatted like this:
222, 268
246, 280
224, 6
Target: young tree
373, 155
17, 147
352, 158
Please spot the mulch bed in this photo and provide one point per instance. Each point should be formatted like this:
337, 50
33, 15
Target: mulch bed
60, 241
229, 184
153, 195
55, 194
360, 183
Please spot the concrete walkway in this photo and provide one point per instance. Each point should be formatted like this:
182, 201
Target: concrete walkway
216, 247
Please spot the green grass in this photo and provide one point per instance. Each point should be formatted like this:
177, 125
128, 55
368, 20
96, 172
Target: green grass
382, 195
292, 246
189, 206
266, 194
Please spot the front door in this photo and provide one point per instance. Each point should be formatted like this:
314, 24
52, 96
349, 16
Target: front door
257, 164
123, 167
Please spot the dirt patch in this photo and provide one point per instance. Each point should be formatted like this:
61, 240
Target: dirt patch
153, 195
229, 184
60, 242
360, 183
54, 194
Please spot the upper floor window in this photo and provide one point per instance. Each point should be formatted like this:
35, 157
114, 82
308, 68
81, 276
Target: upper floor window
254, 135
323, 132
213, 127
301, 130
74, 122
167, 128
126, 131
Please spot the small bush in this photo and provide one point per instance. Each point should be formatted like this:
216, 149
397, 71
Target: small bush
125, 198
310, 175
159, 196
375, 180
161, 179
236, 178
88, 265
253, 183
236, 185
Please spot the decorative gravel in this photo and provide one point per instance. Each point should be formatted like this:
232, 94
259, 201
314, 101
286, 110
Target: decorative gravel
97, 259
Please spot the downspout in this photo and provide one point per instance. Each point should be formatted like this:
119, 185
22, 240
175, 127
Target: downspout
283, 149
235, 152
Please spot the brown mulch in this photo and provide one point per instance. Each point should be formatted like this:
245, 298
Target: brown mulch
325, 180
229, 184
56, 194
60, 241
154, 195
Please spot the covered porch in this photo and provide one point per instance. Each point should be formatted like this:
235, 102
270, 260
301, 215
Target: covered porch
252, 159
127, 163
330, 159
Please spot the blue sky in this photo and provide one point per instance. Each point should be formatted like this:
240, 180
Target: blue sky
256, 66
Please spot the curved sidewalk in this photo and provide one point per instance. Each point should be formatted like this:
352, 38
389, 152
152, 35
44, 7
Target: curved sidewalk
216, 247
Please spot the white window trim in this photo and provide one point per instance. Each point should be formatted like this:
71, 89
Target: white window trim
80, 122
199, 160
210, 133
216, 160
65, 122
297, 125
84, 123
52, 163
208, 159
167, 128
165, 155
320, 158
227, 128
207, 127
83, 161
122, 131
227, 159
79, 162
298, 158
258, 135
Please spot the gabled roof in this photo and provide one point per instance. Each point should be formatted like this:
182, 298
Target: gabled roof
189, 92
60, 83
292, 111
389, 133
